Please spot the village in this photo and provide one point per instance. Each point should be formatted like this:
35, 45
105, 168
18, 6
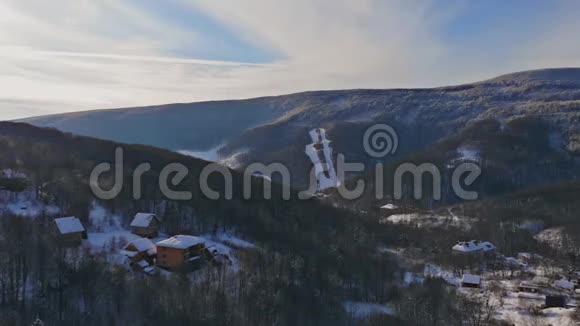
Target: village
522, 290
146, 251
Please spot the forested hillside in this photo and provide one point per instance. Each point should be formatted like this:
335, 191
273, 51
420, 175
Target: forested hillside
274, 129
311, 257
309, 263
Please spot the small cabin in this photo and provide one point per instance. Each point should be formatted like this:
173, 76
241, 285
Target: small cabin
139, 250
528, 287
470, 281
69, 230
555, 301
179, 251
145, 225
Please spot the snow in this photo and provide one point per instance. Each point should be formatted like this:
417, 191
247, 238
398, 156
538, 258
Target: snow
142, 219
225, 244
102, 220
471, 279
402, 218
12, 174
427, 220
211, 154
467, 153
514, 310
234, 161
128, 253
69, 225
563, 284
110, 233
180, 241
234, 241
364, 309
320, 153
389, 206
541, 280
411, 278
472, 246
98, 241
142, 244
143, 263
261, 175
26, 205
435, 271
150, 270
553, 237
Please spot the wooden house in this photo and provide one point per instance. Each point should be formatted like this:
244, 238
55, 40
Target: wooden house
138, 250
180, 251
69, 230
145, 225
470, 281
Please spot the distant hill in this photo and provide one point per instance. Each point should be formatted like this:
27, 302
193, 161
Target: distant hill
274, 129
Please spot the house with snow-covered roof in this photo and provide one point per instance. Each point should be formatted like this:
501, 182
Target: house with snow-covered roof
470, 281
69, 230
179, 251
473, 246
145, 225
139, 250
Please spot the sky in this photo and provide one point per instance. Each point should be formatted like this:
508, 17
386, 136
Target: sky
71, 55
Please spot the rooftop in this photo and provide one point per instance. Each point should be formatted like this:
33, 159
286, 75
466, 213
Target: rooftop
69, 225
143, 219
471, 279
180, 242
473, 245
142, 244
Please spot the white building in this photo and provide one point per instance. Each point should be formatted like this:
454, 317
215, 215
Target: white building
473, 246
320, 153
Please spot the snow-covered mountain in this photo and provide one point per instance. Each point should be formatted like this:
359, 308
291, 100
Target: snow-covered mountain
275, 129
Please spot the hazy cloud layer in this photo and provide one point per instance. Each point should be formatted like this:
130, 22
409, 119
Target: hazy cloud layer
68, 55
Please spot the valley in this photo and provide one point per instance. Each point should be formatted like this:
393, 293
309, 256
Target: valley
324, 260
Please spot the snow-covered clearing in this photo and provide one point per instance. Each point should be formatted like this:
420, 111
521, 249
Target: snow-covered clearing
364, 309
437, 271
234, 241
25, 204
468, 153
430, 220
553, 237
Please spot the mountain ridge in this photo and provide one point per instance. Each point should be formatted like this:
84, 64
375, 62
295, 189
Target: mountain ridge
274, 128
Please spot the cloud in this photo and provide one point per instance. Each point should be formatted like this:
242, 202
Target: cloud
70, 55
